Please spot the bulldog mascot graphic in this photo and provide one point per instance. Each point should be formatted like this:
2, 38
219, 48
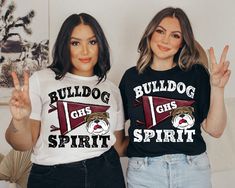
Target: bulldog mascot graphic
182, 117
97, 123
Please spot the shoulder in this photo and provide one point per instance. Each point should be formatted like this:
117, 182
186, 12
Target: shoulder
129, 75
200, 71
46, 71
200, 67
44, 74
130, 72
112, 86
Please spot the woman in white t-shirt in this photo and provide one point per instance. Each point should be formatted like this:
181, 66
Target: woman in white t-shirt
70, 113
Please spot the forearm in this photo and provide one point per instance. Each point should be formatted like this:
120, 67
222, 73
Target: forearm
18, 134
217, 117
123, 147
122, 142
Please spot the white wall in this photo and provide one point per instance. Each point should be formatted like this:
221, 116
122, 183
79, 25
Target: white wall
124, 22
4, 122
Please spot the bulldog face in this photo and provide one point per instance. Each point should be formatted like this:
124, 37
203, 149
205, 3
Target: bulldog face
182, 117
97, 123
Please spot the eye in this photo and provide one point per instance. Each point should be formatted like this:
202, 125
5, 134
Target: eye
160, 31
93, 42
74, 43
176, 36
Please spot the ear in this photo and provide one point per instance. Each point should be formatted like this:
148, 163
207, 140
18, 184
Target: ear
191, 108
106, 114
172, 112
86, 117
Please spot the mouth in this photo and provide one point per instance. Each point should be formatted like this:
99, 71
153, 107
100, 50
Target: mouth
182, 121
97, 127
162, 48
85, 60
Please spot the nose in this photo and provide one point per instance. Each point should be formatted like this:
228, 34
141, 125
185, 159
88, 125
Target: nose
84, 49
166, 39
97, 121
181, 115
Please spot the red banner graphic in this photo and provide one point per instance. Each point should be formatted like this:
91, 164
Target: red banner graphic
157, 109
72, 114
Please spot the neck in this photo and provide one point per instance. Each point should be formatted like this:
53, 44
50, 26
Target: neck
162, 64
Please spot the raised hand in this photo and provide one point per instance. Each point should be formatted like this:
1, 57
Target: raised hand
219, 71
20, 104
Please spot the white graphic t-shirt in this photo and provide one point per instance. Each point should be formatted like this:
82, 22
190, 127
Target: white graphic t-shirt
78, 117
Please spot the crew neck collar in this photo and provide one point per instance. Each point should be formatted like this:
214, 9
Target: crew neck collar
88, 78
171, 70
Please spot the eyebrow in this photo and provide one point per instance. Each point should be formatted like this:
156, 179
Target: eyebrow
172, 31
81, 39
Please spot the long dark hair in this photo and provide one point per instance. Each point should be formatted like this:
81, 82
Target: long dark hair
61, 53
185, 57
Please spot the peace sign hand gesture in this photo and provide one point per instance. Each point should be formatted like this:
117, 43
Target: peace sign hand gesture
219, 71
20, 104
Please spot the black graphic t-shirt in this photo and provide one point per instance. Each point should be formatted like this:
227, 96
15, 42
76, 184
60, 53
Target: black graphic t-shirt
166, 109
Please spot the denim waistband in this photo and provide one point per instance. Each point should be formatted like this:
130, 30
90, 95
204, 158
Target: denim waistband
94, 160
169, 158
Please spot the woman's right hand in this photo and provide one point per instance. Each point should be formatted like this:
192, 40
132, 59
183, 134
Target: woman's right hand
20, 104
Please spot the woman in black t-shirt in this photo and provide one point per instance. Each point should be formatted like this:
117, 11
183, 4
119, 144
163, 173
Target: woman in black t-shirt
168, 97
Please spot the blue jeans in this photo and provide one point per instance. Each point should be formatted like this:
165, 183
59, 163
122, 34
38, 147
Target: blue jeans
169, 171
100, 172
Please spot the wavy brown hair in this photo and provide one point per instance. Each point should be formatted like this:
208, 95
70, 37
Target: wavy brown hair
186, 56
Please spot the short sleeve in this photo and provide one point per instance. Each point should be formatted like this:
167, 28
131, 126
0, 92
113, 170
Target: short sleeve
34, 92
122, 87
120, 113
204, 89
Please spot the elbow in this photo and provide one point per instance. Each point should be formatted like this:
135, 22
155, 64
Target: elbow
120, 151
216, 134
121, 148
22, 148
214, 130
18, 146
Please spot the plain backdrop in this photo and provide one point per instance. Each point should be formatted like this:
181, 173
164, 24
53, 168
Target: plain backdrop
124, 22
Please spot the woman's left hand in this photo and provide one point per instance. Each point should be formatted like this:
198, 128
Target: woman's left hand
219, 71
